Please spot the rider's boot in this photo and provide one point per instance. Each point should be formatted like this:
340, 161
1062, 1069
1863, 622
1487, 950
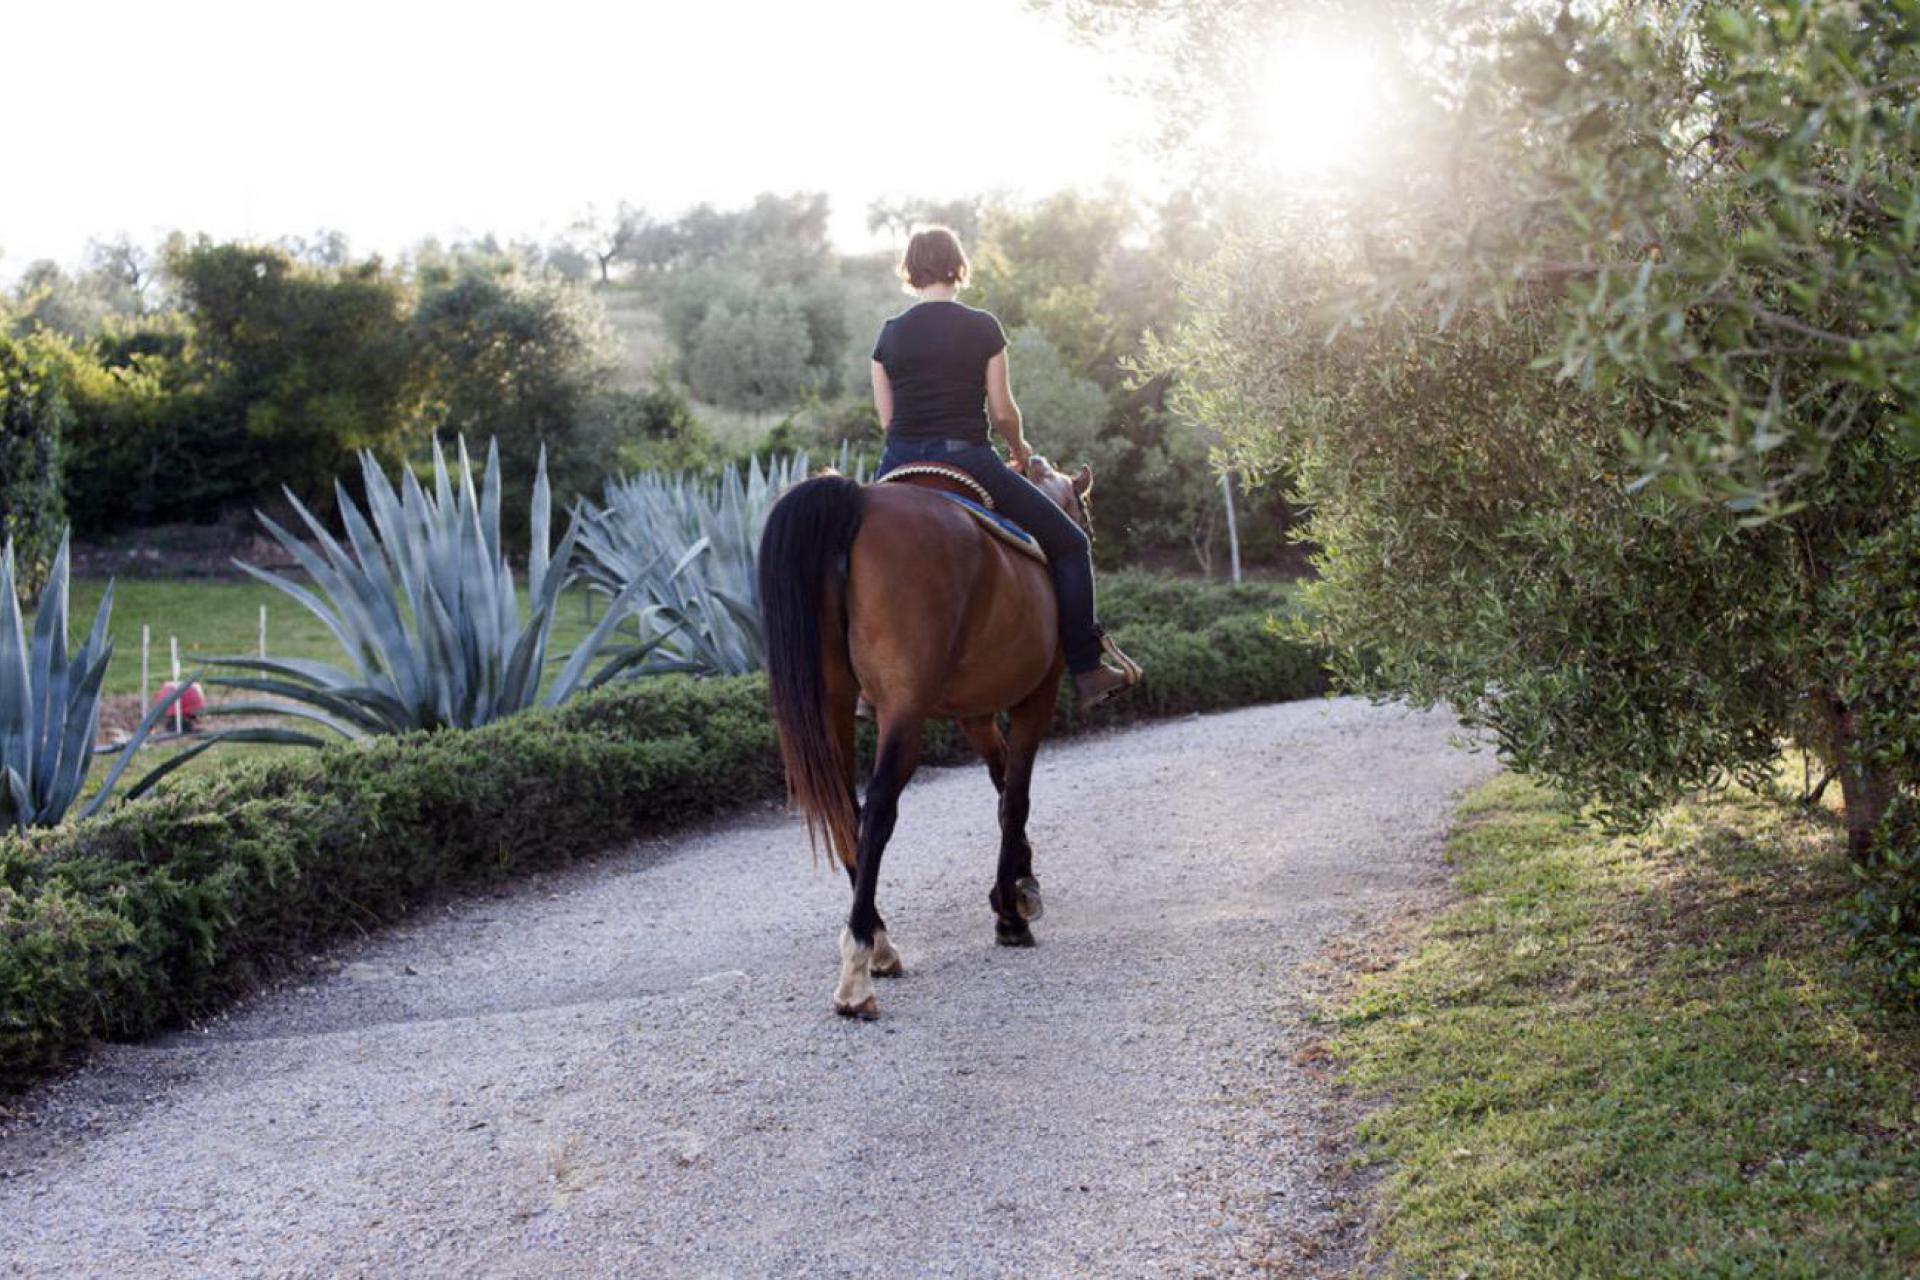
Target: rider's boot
1096, 686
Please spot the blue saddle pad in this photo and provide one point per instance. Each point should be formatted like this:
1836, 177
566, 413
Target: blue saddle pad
1005, 525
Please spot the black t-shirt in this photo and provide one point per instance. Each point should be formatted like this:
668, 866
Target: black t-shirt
935, 354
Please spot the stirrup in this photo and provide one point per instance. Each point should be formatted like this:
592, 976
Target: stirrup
1127, 666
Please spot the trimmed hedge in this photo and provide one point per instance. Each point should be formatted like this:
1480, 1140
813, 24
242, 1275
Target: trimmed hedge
165, 908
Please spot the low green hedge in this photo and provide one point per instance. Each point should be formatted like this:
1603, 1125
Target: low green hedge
164, 908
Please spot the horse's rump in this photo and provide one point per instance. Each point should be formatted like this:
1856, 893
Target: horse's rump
944, 618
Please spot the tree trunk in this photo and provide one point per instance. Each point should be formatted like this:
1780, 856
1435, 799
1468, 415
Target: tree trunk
1866, 789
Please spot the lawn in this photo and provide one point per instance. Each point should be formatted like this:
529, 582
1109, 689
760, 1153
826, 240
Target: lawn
219, 618
1646, 1056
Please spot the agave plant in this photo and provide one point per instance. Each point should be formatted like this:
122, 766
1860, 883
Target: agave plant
688, 542
426, 609
50, 708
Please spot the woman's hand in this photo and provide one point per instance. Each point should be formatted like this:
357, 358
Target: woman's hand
1018, 451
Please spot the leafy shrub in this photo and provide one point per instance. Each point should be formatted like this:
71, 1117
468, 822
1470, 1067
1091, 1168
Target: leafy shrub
33, 419
1884, 913
160, 910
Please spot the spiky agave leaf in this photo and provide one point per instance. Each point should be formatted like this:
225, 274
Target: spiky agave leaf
691, 540
50, 705
425, 605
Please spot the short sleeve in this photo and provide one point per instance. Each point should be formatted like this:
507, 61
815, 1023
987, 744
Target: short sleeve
880, 343
994, 337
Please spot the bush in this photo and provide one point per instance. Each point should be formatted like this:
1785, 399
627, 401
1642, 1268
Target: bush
1884, 913
163, 909
33, 419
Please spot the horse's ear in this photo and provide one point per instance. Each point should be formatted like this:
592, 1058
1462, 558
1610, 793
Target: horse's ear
1083, 483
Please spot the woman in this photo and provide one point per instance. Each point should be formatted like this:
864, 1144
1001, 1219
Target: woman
939, 376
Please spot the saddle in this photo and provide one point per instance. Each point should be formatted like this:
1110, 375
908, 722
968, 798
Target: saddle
968, 494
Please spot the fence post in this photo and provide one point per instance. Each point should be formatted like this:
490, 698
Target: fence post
179, 722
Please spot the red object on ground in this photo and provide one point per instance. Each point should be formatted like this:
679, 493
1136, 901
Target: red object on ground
191, 703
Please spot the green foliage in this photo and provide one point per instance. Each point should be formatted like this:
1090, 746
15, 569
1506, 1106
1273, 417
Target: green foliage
426, 610
302, 366
1486, 538
752, 358
515, 361
34, 418
652, 430
1884, 912
1640, 1056
1738, 199
162, 910
148, 443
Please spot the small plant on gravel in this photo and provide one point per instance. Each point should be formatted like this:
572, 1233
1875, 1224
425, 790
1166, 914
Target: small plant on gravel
50, 707
426, 609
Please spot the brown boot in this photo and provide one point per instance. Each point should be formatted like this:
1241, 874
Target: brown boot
1099, 684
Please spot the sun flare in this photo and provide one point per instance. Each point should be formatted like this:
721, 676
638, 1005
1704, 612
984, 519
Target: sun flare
1314, 103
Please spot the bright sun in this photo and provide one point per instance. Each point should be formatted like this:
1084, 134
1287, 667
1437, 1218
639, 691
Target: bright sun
1314, 105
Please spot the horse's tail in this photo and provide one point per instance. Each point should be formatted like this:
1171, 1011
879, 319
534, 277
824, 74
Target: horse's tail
803, 566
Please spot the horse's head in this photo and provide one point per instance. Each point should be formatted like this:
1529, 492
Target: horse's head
1072, 494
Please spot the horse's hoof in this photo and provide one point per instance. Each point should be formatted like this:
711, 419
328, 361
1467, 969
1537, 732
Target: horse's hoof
867, 1010
1012, 937
886, 961
1026, 899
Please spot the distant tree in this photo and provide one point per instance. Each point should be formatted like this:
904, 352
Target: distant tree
514, 360
125, 270
753, 358
306, 365
568, 261
325, 248
899, 217
610, 239
48, 299
651, 430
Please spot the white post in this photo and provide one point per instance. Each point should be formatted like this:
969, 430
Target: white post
1233, 526
146, 665
179, 723
263, 631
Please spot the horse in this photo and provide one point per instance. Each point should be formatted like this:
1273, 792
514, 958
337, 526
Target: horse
899, 593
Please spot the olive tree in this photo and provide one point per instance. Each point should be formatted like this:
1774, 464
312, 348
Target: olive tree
1600, 393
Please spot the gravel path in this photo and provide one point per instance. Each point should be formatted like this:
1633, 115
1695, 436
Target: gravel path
630, 1068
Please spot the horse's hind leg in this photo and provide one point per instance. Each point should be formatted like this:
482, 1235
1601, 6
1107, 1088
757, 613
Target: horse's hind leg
984, 733
893, 765
842, 689
1015, 897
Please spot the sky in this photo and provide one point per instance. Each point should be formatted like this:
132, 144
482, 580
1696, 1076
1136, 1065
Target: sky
399, 120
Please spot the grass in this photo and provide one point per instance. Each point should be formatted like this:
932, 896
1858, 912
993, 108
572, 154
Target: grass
221, 618
1638, 1057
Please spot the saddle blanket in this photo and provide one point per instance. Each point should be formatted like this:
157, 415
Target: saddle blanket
999, 526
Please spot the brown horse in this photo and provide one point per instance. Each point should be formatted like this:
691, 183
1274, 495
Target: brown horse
898, 592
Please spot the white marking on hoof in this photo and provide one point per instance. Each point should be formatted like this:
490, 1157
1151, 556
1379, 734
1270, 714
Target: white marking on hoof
887, 962
1026, 899
853, 998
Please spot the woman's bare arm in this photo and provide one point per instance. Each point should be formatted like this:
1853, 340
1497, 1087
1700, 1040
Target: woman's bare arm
882, 395
1004, 413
